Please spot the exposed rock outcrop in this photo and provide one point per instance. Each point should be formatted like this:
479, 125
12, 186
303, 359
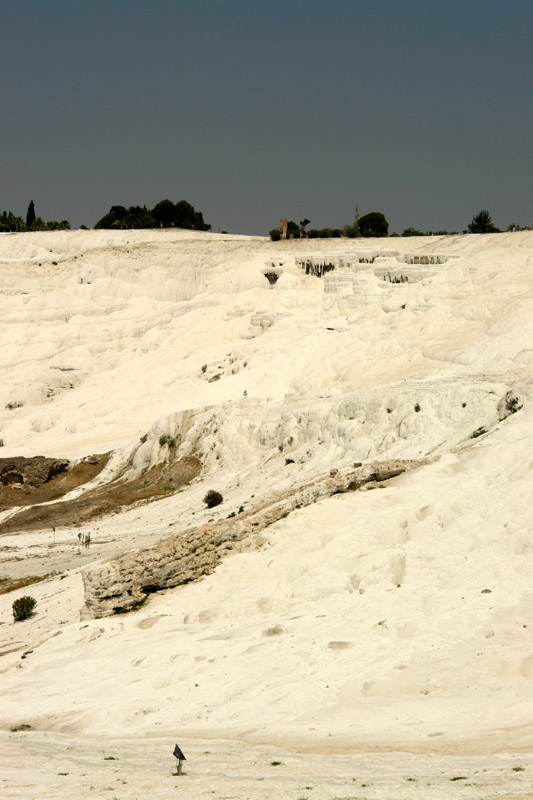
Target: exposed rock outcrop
120, 584
509, 404
95, 502
30, 471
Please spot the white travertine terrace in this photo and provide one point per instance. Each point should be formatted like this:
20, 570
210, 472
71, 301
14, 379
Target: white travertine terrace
392, 618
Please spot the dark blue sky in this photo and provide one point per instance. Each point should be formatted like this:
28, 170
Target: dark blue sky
253, 110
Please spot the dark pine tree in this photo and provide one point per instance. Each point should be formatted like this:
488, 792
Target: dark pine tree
30, 215
482, 223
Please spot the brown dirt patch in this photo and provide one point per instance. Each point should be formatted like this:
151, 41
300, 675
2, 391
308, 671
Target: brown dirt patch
159, 481
10, 584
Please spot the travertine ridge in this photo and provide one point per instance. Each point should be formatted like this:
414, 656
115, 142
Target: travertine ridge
120, 584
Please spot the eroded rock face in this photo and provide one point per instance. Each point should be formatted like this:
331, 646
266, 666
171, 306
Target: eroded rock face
120, 584
509, 404
30, 471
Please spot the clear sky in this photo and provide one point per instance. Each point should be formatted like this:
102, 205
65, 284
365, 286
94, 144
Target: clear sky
254, 110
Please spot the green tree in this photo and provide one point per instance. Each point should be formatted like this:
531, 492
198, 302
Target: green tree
107, 221
188, 217
412, 232
38, 224
30, 215
482, 223
373, 224
139, 217
178, 215
54, 225
164, 212
303, 223
119, 212
293, 230
9, 222
132, 217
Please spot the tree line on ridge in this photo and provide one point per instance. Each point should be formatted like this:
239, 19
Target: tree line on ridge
182, 214
9, 222
164, 214
375, 225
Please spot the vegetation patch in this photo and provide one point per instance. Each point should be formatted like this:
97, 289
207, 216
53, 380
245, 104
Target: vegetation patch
513, 407
164, 214
213, 498
10, 584
23, 608
10, 222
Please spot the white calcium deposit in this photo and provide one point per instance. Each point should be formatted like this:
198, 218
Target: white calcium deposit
393, 619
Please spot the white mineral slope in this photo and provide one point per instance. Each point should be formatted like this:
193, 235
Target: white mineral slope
395, 619
105, 333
